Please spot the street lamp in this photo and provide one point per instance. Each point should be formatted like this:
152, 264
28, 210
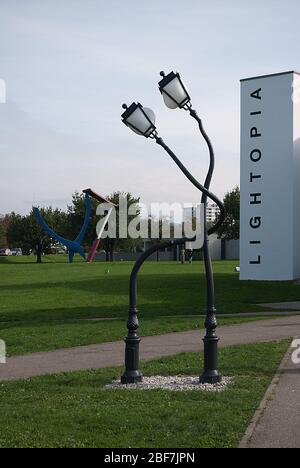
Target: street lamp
174, 91
139, 119
175, 95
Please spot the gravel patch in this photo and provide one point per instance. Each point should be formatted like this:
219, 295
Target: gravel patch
174, 383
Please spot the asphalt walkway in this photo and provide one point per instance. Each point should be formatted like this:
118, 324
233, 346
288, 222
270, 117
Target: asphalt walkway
112, 354
276, 424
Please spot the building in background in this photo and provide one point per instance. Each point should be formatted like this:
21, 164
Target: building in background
212, 212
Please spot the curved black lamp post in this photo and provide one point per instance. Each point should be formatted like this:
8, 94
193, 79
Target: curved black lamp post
142, 121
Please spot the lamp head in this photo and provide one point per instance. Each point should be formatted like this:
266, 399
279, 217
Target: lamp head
139, 119
173, 91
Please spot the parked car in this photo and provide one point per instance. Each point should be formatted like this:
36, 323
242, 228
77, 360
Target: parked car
16, 252
5, 252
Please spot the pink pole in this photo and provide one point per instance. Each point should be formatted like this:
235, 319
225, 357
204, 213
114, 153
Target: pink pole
93, 250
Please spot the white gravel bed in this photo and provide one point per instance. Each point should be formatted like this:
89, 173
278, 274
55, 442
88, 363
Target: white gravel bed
174, 383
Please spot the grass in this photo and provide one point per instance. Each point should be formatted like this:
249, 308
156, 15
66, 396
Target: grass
44, 306
74, 410
34, 337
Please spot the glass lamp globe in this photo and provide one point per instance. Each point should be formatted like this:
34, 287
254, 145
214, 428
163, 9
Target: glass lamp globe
139, 119
173, 90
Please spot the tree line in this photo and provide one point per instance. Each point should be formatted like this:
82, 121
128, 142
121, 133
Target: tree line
23, 231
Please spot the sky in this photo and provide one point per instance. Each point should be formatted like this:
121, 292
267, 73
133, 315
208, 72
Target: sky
69, 65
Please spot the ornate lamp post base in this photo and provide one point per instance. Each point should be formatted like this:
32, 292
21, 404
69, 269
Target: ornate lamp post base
132, 374
210, 374
131, 378
210, 377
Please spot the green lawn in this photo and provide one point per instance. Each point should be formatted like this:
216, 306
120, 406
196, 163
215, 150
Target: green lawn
74, 410
44, 305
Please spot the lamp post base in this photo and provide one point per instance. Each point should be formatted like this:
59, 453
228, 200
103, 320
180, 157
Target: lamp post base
210, 377
131, 378
210, 374
132, 374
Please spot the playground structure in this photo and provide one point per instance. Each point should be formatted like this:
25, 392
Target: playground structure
75, 246
96, 244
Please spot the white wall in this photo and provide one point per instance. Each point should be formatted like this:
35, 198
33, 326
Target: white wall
232, 249
215, 247
269, 133
296, 173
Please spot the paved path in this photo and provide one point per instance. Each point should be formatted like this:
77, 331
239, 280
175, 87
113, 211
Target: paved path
275, 313
112, 354
295, 305
277, 422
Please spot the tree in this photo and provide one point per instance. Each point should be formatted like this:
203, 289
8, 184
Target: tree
4, 223
2, 236
75, 219
230, 229
25, 232
110, 245
76, 214
159, 228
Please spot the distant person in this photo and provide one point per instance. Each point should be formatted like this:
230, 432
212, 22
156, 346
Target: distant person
190, 257
182, 256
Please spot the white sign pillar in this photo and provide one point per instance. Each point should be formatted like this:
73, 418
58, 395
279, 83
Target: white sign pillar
270, 177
